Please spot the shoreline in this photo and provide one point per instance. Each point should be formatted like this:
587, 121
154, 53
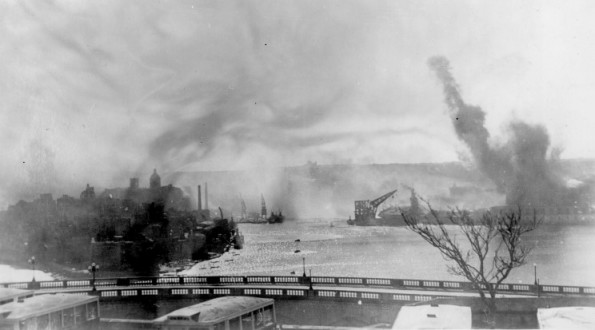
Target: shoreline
76, 271
63, 272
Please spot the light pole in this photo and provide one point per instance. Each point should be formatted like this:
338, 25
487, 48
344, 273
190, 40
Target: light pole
536, 279
32, 262
93, 269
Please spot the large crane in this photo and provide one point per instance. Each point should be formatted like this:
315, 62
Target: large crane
365, 211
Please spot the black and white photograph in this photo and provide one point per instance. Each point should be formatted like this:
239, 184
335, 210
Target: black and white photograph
297, 164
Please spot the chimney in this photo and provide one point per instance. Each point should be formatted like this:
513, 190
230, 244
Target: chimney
199, 200
206, 196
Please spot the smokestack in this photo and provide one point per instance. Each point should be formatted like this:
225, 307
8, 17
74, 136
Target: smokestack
263, 207
199, 200
206, 196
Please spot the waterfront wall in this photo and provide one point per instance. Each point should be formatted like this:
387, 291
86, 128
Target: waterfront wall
355, 305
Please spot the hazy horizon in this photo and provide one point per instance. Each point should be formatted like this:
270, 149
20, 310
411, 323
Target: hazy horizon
96, 88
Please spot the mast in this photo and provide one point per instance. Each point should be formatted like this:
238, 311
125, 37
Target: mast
244, 213
263, 208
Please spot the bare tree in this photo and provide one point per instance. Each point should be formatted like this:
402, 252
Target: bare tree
494, 245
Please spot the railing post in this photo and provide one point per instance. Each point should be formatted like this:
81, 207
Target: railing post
537, 287
123, 281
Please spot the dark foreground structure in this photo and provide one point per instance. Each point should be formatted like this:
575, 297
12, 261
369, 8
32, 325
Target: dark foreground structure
231, 312
48, 311
309, 302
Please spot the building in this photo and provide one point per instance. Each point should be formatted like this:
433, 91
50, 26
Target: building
155, 180
88, 194
231, 312
134, 184
51, 311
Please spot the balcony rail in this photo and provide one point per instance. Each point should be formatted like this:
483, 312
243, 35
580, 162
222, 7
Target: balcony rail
388, 283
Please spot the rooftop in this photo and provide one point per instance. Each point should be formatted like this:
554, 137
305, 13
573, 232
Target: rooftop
433, 317
218, 309
566, 318
9, 293
42, 304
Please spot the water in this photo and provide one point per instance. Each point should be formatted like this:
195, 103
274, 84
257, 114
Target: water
564, 256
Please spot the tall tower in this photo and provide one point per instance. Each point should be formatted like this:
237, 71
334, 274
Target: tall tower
206, 196
199, 200
133, 183
155, 181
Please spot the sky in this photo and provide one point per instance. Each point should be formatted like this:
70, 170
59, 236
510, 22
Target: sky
93, 88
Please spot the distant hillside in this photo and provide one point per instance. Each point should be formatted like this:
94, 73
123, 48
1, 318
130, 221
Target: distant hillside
314, 190
317, 190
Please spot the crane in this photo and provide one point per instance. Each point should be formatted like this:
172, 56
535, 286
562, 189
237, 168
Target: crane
365, 211
375, 203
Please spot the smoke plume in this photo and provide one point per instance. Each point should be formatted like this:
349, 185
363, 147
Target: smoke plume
520, 168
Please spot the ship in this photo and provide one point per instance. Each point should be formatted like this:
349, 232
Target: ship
253, 217
276, 217
367, 214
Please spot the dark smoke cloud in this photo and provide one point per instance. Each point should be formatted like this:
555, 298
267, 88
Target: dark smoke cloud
520, 168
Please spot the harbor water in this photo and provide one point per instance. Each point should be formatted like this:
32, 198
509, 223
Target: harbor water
327, 247
561, 255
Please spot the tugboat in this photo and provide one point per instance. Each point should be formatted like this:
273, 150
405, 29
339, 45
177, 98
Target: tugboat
350, 222
276, 218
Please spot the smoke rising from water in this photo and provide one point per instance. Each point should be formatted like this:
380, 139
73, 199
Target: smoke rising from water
520, 168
